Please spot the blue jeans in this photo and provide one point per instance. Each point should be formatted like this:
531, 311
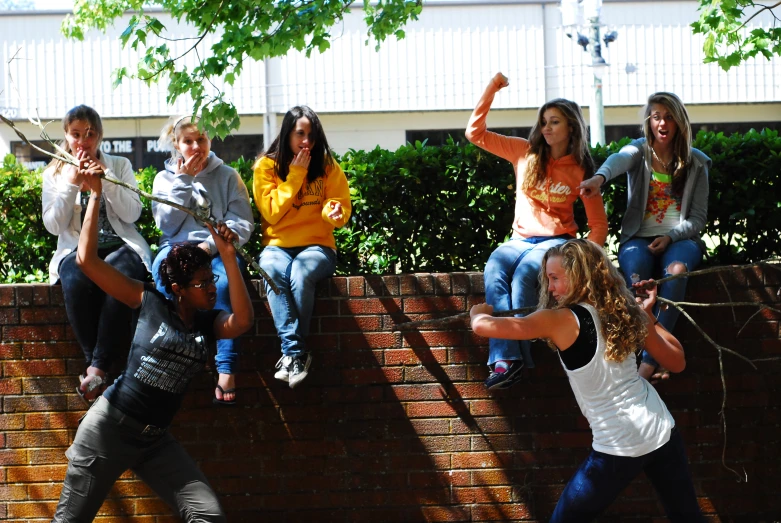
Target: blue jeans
635, 258
102, 324
511, 282
296, 272
602, 477
227, 350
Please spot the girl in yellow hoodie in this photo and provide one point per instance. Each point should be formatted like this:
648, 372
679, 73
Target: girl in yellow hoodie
302, 195
549, 167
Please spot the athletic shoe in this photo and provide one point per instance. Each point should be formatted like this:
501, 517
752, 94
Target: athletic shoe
505, 374
282, 365
299, 368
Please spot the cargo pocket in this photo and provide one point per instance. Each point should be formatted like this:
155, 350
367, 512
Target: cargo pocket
80, 478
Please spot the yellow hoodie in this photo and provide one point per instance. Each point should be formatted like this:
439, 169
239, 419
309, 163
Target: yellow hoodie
294, 212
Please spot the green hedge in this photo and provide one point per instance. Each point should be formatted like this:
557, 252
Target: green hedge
443, 209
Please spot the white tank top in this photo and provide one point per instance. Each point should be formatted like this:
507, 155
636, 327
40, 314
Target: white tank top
626, 415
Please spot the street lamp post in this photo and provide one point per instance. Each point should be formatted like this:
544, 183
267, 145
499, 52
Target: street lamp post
573, 14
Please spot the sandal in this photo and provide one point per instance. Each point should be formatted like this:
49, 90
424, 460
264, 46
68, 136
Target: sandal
93, 382
224, 392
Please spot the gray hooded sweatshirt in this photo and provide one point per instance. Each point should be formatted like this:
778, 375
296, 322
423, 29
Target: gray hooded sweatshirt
217, 192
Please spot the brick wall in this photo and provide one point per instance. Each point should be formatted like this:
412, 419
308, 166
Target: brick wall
398, 427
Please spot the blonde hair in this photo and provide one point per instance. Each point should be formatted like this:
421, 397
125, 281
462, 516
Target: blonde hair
682, 141
539, 151
172, 131
593, 279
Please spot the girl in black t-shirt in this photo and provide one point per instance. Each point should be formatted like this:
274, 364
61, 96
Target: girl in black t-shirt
127, 427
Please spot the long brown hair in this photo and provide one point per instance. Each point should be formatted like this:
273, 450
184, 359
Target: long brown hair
593, 279
86, 114
682, 141
282, 154
539, 151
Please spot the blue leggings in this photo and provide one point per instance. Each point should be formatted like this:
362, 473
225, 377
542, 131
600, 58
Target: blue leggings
602, 477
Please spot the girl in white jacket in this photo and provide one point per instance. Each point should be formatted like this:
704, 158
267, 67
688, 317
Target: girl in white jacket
102, 325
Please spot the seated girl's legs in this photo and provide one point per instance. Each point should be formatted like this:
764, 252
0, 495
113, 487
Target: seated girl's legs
174, 476
596, 483
311, 265
162, 252
83, 303
668, 470
498, 277
95, 460
637, 263
276, 261
681, 256
116, 324
525, 288
227, 350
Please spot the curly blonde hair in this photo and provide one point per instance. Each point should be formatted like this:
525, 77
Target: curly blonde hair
539, 150
593, 279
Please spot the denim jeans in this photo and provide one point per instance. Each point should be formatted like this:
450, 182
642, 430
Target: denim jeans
227, 350
103, 326
296, 272
602, 477
635, 258
108, 443
511, 282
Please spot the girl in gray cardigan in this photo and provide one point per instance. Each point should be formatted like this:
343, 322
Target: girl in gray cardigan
667, 204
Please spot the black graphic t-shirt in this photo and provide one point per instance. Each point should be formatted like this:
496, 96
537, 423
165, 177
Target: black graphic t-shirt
164, 357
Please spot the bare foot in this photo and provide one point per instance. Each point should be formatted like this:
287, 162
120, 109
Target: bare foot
228, 384
653, 374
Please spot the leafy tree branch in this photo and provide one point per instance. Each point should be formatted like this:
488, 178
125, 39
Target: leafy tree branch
241, 29
728, 39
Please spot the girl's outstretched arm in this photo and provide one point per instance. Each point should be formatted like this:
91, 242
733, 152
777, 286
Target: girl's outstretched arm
660, 343
230, 325
558, 325
110, 280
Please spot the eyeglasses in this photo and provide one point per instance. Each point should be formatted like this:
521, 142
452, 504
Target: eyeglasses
205, 284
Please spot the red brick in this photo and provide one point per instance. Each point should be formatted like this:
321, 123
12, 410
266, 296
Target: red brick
412, 357
434, 339
38, 403
453, 304
370, 306
10, 386
40, 315
36, 474
482, 460
34, 439
371, 376
11, 422
10, 351
7, 295
12, 457
355, 286
9, 316
64, 349
34, 333
369, 340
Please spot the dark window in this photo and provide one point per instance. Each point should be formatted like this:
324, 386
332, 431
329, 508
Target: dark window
439, 137
143, 151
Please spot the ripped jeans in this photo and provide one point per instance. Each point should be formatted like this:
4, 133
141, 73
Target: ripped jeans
635, 258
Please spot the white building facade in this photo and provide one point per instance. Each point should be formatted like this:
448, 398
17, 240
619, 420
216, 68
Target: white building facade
428, 81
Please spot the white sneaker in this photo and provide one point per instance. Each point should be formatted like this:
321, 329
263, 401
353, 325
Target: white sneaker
283, 364
299, 368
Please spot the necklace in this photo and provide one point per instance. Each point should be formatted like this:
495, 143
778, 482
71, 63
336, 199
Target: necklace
663, 164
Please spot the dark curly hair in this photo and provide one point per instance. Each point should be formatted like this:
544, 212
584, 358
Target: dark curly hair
182, 262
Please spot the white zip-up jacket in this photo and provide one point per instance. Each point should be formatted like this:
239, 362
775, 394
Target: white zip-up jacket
62, 211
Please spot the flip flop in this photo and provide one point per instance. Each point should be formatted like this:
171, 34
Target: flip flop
224, 392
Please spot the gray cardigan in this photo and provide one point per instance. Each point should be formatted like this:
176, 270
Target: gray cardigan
694, 205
